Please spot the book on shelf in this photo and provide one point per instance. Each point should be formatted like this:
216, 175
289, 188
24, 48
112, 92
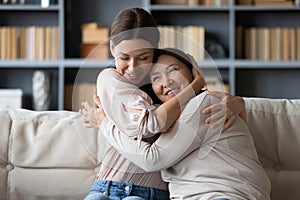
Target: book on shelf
277, 43
292, 44
94, 33
39, 43
177, 2
239, 44
190, 39
55, 48
94, 51
244, 2
10, 98
285, 44
214, 2
251, 43
94, 41
263, 42
298, 43
32, 43
273, 3
266, 2
48, 40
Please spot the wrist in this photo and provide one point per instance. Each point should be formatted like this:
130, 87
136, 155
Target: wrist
197, 86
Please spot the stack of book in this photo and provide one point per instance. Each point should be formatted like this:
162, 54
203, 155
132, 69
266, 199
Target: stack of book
214, 2
266, 2
192, 2
273, 3
32, 43
277, 43
190, 39
177, 2
94, 41
10, 98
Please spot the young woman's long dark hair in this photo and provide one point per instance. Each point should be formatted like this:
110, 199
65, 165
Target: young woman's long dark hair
134, 23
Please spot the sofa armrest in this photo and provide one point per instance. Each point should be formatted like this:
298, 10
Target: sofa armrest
275, 126
48, 155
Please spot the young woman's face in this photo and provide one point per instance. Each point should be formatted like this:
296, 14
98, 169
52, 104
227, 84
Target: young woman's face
133, 59
169, 76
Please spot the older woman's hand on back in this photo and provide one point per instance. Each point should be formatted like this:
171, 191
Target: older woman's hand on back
92, 117
226, 111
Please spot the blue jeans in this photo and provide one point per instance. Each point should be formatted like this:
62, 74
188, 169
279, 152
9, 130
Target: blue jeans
111, 190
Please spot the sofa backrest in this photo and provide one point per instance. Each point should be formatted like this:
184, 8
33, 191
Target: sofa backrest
51, 155
275, 126
46, 155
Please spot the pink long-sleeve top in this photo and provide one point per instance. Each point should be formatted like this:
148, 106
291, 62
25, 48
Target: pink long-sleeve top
117, 95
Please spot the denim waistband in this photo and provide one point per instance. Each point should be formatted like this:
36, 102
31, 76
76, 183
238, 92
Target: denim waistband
108, 188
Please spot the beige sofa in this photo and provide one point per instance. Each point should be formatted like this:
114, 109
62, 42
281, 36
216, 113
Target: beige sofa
50, 155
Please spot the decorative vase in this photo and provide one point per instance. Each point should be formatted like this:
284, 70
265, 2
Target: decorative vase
41, 90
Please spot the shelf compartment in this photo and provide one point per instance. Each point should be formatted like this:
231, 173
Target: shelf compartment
216, 24
268, 83
37, 18
80, 85
22, 78
268, 18
74, 75
79, 12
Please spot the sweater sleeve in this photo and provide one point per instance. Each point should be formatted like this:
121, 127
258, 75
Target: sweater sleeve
117, 95
184, 136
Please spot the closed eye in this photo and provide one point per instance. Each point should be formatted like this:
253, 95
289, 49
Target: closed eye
143, 58
155, 79
173, 68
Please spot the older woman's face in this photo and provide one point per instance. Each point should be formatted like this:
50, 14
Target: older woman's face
133, 59
169, 76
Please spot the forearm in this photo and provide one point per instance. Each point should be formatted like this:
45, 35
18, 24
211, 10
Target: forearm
183, 138
169, 111
151, 157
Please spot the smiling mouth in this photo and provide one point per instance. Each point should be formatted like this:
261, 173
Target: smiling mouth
171, 92
133, 76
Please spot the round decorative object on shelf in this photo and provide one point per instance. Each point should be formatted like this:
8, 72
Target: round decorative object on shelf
214, 48
41, 90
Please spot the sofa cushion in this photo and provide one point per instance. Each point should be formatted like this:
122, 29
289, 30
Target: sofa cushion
275, 126
47, 155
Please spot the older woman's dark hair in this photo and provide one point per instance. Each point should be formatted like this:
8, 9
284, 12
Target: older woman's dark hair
176, 53
134, 23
